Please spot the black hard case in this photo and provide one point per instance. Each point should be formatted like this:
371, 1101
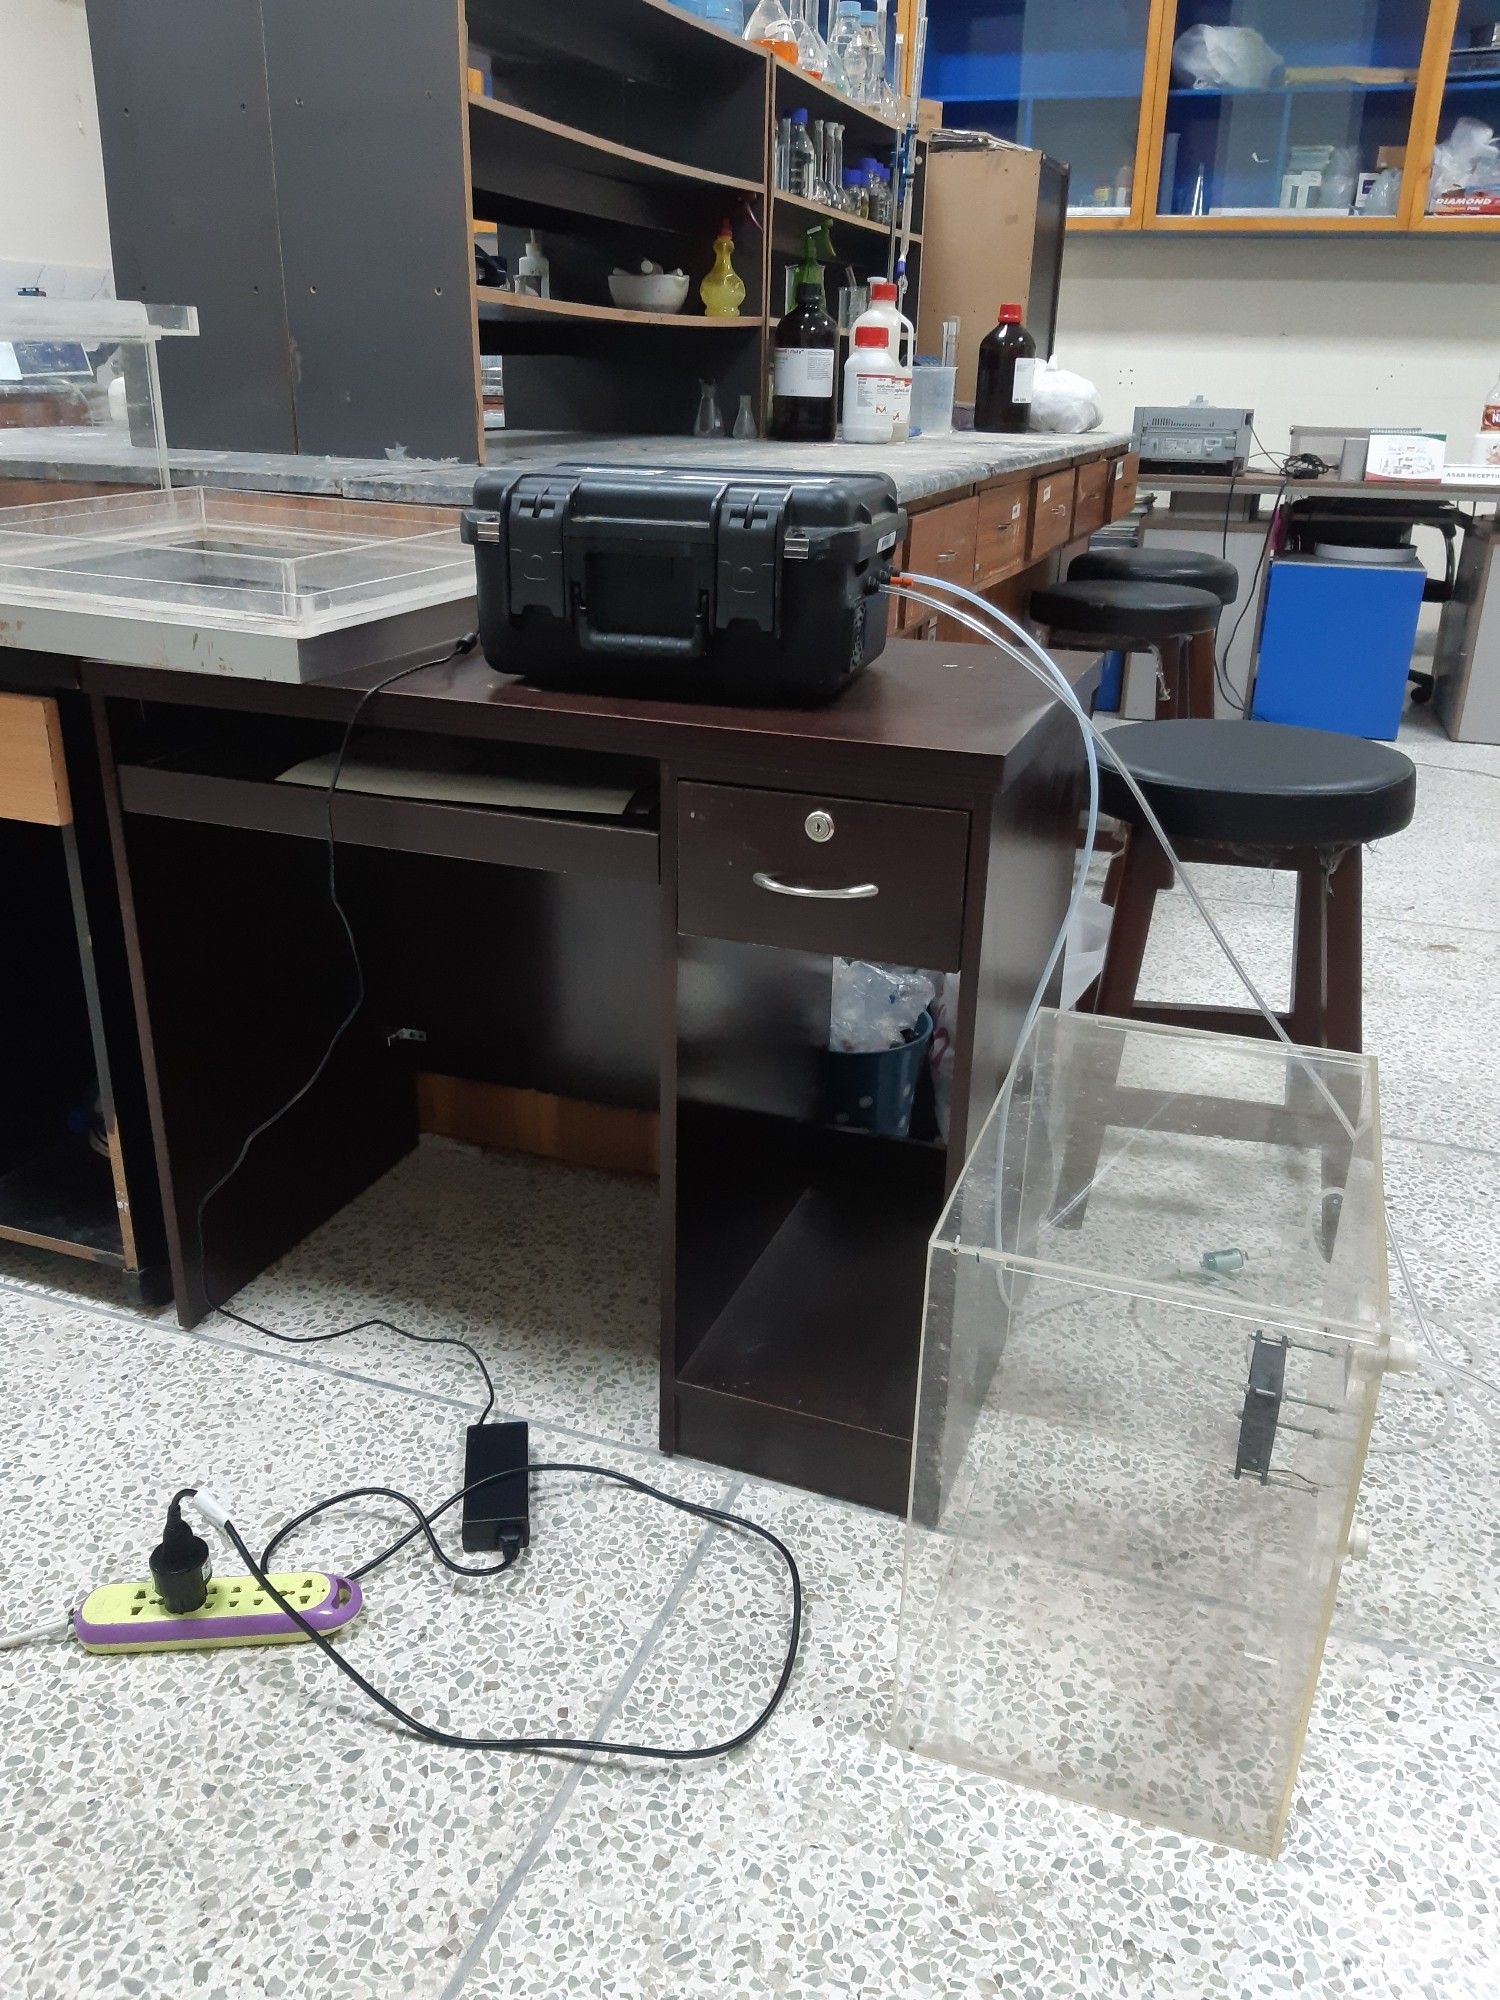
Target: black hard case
733, 584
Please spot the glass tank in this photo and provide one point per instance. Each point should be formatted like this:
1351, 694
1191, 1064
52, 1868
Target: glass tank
1281, 109
1067, 79
1155, 1327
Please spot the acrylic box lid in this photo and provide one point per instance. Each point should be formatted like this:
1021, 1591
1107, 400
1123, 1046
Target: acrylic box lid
1210, 1168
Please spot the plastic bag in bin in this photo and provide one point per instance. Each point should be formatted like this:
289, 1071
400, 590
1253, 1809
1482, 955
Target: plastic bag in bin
875, 1007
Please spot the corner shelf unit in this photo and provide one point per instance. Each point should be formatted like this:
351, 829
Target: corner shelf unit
557, 140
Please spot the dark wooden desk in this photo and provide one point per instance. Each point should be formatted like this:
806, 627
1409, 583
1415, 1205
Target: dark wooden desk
621, 964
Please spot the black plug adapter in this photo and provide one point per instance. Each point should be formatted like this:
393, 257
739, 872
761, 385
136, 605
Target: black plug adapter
180, 1564
499, 1514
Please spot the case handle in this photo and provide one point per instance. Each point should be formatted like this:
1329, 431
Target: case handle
635, 645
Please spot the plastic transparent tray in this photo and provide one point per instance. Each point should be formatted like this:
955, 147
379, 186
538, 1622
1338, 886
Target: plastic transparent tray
298, 565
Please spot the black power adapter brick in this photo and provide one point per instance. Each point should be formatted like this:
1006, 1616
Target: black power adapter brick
499, 1515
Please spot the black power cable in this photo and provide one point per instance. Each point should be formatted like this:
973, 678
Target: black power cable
583, 1745
457, 651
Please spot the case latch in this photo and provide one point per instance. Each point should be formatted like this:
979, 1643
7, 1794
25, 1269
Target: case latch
538, 510
749, 552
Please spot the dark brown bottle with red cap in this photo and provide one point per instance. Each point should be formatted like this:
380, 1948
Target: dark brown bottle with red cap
1007, 371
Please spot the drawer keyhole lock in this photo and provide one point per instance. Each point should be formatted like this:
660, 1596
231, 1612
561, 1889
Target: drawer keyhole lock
818, 826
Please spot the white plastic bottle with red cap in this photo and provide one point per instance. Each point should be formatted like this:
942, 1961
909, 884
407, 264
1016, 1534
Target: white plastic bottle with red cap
883, 311
873, 385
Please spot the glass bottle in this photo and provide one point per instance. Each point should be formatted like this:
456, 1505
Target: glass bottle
709, 422
804, 406
772, 27
744, 424
812, 50
1007, 371
802, 165
848, 58
723, 290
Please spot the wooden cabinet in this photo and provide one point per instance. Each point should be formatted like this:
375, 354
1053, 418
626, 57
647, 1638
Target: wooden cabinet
1004, 522
1124, 477
1051, 513
1091, 498
1343, 96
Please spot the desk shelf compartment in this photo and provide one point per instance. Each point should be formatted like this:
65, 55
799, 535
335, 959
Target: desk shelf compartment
242, 789
791, 1347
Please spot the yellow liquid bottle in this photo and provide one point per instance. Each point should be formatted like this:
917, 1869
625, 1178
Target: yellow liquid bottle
723, 290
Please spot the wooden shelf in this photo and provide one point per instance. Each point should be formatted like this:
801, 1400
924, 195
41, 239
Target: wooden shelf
826, 214
530, 308
542, 143
816, 91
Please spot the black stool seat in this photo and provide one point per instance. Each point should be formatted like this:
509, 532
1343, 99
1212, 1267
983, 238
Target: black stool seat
1148, 612
1260, 784
1158, 565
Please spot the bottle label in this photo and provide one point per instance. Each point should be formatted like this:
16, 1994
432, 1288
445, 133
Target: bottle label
804, 371
1026, 381
1491, 418
880, 395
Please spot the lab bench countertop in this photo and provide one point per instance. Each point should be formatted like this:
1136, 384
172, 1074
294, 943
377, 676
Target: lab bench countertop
924, 469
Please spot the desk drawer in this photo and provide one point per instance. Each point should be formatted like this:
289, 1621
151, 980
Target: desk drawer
942, 541
1001, 546
33, 776
1092, 501
1051, 513
1125, 475
908, 862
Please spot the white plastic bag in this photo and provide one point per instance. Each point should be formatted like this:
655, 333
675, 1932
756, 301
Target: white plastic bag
875, 1006
1062, 401
1467, 158
1224, 58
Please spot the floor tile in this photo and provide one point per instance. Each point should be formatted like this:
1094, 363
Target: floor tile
550, 1271
248, 1821
1431, 1006
826, 1862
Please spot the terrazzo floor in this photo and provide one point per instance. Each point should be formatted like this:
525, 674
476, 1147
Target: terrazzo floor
240, 1826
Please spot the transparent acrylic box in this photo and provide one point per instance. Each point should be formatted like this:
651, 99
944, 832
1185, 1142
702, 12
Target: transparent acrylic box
1155, 1329
278, 586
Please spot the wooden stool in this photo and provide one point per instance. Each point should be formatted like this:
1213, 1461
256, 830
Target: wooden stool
1254, 795
1186, 568
1174, 622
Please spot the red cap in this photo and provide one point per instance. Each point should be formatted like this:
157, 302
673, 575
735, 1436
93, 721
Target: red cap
872, 336
882, 288
1009, 315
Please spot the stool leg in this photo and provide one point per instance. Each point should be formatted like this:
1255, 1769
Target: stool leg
1345, 952
1146, 871
1169, 679
1308, 1022
1202, 655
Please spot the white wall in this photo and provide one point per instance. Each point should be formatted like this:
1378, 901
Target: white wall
1308, 331
54, 229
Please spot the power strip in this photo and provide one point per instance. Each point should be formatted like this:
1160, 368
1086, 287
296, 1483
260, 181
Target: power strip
131, 1618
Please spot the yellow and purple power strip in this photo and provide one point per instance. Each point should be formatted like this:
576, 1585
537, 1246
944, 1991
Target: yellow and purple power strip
131, 1618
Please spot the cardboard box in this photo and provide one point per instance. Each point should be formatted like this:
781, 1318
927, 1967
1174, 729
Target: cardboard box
992, 232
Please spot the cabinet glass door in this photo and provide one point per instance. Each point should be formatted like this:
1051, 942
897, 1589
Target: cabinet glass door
1465, 186
1068, 78
1290, 113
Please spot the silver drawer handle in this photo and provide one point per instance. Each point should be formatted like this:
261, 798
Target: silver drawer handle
853, 894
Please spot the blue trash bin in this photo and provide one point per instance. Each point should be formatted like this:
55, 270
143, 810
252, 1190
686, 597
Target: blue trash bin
874, 1092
